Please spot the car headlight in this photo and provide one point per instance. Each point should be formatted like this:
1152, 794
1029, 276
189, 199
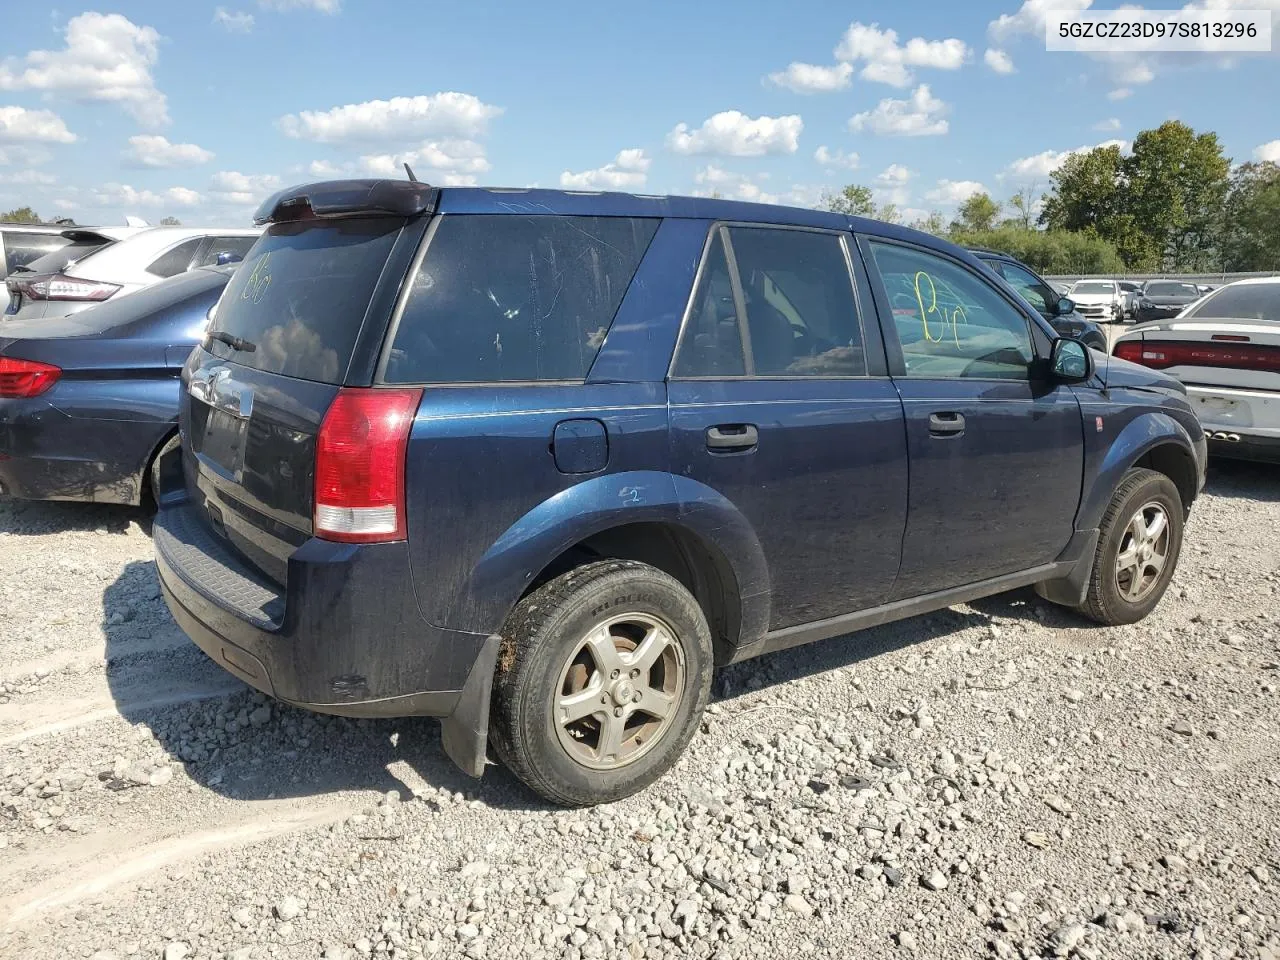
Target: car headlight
1145, 304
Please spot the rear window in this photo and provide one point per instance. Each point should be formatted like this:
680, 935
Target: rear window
21, 247
300, 296
57, 261
1247, 301
515, 298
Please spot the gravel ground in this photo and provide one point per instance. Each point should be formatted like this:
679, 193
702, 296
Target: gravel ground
999, 779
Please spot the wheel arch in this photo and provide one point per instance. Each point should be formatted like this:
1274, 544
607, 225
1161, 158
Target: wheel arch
1153, 440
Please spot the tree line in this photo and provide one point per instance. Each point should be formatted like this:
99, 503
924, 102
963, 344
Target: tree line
1174, 203
29, 216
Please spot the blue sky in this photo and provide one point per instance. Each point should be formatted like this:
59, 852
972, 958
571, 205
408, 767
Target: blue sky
198, 109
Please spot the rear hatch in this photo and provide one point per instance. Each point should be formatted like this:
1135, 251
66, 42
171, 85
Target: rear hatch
304, 315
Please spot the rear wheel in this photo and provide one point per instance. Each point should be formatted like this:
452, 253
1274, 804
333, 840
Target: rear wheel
1138, 547
603, 675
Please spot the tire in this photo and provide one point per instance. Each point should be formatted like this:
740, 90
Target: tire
1117, 595
553, 646
155, 469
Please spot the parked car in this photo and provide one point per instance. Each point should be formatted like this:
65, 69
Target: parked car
1101, 301
20, 243
1131, 290
77, 243
87, 401
129, 265
1226, 349
536, 461
1165, 298
1058, 310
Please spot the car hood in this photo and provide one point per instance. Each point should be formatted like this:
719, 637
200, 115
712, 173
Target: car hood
1093, 297
1170, 301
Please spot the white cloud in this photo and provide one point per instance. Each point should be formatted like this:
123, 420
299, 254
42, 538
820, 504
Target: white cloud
892, 184
156, 151
999, 61
627, 171
123, 195
734, 186
1109, 125
445, 162
1030, 19
18, 125
734, 134
886, 61
443, 114
107, 59
235, 21
322, 6
836, 158
1041, 165
921, 116
811, 78
1120, 93
950, 193
325, 169
1268, 152
242, 189
29, 178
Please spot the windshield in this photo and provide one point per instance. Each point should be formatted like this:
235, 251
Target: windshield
57, 261
1245, 301
1094, 287
298, 301
1172, 290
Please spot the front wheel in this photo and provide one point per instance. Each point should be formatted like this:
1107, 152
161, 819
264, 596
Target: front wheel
1138, 547
601, 681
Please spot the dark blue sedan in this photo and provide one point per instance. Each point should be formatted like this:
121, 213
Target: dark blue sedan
88, 401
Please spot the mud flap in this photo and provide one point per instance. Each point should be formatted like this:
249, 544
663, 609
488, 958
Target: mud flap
465, 732
1069, 591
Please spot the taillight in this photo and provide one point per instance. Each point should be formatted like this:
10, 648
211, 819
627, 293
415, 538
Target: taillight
1160, 354
20, 379
360, 454
68, 288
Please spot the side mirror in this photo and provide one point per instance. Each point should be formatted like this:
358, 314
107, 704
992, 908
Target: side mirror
1066, 306
1071, 362
228, 256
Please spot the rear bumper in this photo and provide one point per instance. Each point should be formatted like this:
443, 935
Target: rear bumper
1239, 423
344, 637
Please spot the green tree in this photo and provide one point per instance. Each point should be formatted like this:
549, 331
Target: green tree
979, 212
1250, 228
888, 212
20, 215
170, 222
854, 201
934, 223
1023, 204
1048, 251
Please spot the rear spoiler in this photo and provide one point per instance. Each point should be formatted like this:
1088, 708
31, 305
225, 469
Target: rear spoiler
84, 235
348, 198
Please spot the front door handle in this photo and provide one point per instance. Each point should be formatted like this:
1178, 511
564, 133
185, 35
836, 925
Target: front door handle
946, 424
732, 436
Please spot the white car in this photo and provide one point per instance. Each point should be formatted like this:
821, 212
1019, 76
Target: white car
1225, 348
117, 269
1101, 301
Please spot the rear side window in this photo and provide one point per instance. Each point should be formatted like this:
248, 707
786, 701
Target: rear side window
296, 304
234, 247
712, 341
21, 248
175, 260
515, 298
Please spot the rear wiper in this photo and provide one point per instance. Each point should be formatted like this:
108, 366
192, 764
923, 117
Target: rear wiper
232, 341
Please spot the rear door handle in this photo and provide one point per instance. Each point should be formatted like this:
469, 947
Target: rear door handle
732, 436
946, 424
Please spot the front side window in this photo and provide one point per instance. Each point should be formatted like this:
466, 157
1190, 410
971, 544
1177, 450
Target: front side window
515, 298
951, 323
800, 320
1034, 290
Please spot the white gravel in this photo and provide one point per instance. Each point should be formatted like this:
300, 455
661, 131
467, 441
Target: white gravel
1000, 779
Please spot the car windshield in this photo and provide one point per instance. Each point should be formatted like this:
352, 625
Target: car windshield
1245, 301
1094, 286
1172, 290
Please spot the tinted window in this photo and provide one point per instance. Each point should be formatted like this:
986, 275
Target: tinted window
1172, 290
21, 248
951, 323
300, 296
1245, 301
1034, 290
801, 316
233, 246
1105, 287
175, 260
58, 260
711, 345
509, 298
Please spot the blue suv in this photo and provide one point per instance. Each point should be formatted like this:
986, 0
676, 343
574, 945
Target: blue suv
536, 462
